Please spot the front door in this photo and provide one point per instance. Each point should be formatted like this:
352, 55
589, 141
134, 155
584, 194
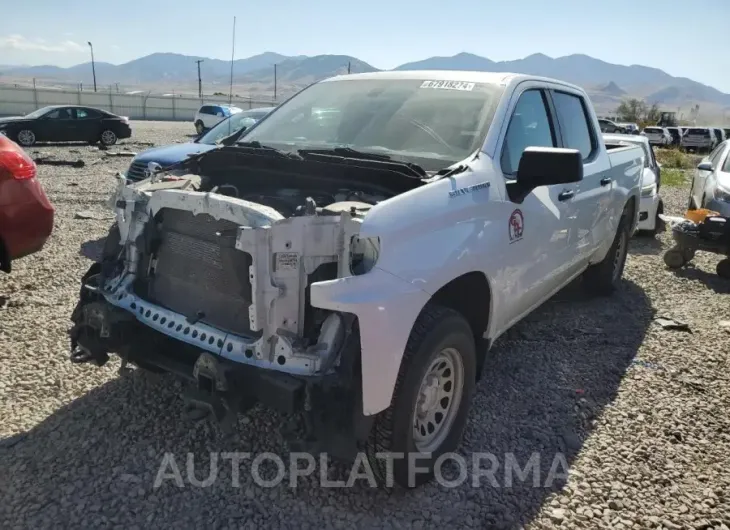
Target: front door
60, 126
536, 231
88, 124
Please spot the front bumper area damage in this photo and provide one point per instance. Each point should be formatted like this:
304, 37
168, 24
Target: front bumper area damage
270, 345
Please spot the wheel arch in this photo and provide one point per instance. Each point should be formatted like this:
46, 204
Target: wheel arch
470, 295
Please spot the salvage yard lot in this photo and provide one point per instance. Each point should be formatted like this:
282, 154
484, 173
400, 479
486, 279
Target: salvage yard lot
640, 412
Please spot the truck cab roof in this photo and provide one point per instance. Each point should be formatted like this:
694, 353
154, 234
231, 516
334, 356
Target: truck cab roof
469, 76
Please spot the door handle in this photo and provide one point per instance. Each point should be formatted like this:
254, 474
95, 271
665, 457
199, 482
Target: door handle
605, 181
566, 195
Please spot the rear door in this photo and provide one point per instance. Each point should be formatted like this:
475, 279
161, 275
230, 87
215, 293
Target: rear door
88, 124
590, 207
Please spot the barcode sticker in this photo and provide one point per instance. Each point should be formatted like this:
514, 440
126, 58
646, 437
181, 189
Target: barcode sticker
449, 85
287, 261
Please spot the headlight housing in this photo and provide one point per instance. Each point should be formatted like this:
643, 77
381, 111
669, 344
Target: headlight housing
721, 194
364, 253
648, 191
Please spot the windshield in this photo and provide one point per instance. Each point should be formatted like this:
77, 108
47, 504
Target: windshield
226, 128
431, 123
38, 113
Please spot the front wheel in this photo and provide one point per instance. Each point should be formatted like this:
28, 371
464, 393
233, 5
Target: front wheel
431, 400
603, 278
199, 128
26, 137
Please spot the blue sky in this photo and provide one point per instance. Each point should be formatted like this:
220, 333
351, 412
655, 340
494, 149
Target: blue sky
384, 33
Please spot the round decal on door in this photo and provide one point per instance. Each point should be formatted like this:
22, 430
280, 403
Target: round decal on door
516, 226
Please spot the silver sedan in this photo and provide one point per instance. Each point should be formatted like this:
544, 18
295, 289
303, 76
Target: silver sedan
711, 182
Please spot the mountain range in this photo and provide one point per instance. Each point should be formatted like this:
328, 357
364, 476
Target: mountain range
606, 83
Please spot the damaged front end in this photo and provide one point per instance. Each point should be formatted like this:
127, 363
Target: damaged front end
207, 275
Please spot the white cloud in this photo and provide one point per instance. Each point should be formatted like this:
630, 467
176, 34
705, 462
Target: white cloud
20, 43
115, 47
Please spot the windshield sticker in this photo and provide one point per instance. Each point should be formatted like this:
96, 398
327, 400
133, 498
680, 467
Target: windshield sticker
516, 226
449, 85
469, 189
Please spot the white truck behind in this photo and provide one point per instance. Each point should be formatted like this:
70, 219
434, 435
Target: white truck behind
354, 271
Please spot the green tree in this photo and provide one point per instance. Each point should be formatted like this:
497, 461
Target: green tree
631, 110
653, 114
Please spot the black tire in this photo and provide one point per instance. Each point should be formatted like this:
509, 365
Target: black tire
436, 330
603, 278
691, 205
199, 127
723, 268
107, 137
674, 258
25, 137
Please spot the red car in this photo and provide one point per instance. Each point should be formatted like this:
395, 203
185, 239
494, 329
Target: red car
26, 215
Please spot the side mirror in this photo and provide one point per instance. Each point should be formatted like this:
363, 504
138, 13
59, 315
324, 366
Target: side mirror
544, 166
705, 166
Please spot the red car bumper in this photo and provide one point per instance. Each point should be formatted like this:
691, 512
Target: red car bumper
26, 219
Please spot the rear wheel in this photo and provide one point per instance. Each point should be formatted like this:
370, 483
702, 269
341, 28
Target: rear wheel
25, 137
603, 278
674, 258
108, 137
723, 269
431, 400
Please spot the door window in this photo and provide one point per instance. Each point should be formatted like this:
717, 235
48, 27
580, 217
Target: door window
529, 126
59, 114
574, 123
86, 114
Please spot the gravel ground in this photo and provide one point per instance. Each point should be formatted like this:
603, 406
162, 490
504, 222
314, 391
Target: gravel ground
639, 412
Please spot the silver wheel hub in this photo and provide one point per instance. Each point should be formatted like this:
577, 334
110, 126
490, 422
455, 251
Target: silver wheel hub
107, 136
439, 397
26, 136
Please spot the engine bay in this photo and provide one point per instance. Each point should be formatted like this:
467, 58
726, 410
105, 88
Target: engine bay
292, 202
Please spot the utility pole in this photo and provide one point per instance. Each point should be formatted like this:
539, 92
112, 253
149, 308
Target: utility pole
274, 82
348, 67
93, 67
233, 51
200, 80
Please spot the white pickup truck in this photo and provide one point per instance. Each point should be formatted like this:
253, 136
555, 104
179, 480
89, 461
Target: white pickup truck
351, 259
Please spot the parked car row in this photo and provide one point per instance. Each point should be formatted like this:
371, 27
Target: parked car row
687, 137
